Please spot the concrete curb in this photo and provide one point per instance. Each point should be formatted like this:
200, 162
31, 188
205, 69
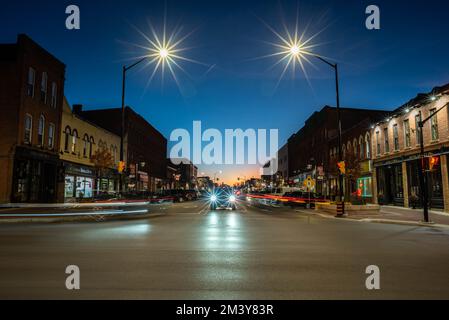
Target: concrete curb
386, 221
80, 218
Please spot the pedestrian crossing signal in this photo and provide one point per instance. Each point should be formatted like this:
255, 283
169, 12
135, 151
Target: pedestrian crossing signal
121, 166
342, 167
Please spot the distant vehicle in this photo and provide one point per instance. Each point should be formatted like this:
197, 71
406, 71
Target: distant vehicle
301, 198
222, 198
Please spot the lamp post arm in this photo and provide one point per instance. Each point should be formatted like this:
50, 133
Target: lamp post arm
134, 64
430, 117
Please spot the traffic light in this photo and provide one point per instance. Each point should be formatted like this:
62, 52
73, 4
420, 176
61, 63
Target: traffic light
342, 167
121, 166
433, 161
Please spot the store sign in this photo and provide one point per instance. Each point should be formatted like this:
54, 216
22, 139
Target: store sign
69, 168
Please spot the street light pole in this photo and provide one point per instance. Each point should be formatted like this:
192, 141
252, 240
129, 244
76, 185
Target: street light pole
122, 127
340, 175
422, 164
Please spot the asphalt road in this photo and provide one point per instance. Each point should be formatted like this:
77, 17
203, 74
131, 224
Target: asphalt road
252, 253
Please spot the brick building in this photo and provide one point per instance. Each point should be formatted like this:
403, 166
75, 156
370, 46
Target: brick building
146, 148
357, 154
308, 149
31, 97
396, 147
90, 157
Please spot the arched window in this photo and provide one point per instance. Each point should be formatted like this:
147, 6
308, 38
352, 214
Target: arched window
41, 130
67, 133
74, 140
354, 147
361, 148
85, 145
368, 146
92, 142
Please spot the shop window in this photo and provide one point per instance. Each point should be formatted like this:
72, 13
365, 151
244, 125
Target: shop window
434, 124
30, 82
44, 81
365, 186
40, 130
396, 137
84, 187
28, 128
51, 136
69, 186
407, 140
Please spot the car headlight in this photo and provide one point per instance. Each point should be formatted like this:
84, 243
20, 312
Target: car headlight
232, 198
213, 198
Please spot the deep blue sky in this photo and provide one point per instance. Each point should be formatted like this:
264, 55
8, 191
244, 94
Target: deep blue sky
379, 69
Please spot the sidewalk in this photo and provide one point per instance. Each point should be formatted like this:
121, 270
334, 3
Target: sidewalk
400, 215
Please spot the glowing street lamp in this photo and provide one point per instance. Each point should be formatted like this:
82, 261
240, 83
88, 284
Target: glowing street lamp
160, 52
296, 49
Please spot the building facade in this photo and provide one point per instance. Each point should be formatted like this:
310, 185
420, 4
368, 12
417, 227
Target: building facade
282, 158
146, 147
357, 154
396, 152
308, 149
31, 98
90, 158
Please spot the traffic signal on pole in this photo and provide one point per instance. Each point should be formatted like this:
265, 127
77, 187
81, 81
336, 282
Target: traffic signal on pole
433, 161
121, 166
342, 167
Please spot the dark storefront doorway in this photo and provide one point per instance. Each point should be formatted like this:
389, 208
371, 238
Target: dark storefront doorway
34, 177
389, 185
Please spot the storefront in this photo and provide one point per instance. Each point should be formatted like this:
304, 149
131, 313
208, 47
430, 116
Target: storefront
390, 184
78, 182
434, 182
34, 177
390, 180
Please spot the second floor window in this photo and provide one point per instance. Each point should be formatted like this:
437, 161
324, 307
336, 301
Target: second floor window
30, 82
54, 93
51, 136
434, 124
66, 139
40, 131
417, 131
74, 140
28, 128
407, 141
377, 143
386, 140
396, 137
85, 146
44, 81
367, 144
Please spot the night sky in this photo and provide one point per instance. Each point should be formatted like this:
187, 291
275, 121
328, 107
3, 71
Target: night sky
231, 89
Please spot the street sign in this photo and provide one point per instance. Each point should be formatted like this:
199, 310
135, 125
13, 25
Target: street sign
309, 183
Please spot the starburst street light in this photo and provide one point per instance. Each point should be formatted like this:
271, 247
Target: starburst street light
296, 49
161, 51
